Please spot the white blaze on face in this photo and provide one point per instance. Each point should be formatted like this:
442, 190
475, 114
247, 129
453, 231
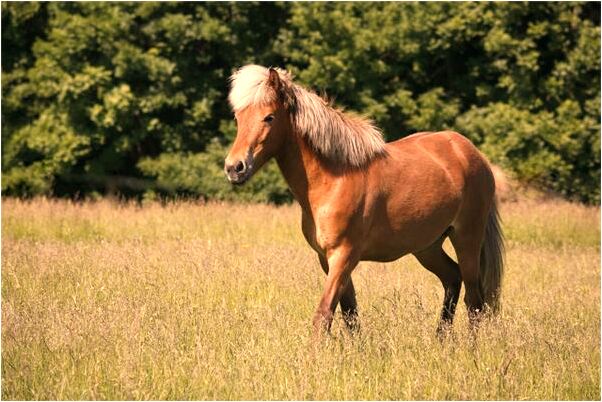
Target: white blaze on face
249, 161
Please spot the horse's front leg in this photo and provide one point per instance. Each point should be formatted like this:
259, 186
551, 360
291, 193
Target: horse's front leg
341, 262
348, 301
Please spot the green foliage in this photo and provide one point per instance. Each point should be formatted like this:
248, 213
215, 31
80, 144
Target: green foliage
138, 90
129, 81
42, 149
558, 151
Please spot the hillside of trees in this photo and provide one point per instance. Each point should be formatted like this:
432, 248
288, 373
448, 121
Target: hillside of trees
130, 98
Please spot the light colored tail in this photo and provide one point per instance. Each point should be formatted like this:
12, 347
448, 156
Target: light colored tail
492, 260
503, 185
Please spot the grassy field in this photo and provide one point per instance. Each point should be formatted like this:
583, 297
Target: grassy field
189, 301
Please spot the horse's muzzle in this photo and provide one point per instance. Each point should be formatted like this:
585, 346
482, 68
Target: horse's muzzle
237, 172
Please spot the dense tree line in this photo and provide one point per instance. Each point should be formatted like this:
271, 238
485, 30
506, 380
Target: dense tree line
131, 97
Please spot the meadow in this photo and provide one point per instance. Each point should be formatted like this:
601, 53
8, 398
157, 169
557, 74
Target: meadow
108, 300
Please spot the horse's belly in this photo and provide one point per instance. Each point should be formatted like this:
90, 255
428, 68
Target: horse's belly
384, 247
383, 255
389, 239
387, 248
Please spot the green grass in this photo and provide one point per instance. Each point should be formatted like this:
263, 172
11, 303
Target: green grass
190, 301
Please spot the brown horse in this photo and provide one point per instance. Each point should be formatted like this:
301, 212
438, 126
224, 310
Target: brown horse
364, 200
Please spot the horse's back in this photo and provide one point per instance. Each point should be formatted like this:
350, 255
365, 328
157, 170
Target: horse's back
426, 158
450, 150
421, 187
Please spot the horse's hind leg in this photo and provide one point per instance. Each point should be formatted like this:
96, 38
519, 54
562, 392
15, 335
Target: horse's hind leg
436, 260
348, 301
468, 250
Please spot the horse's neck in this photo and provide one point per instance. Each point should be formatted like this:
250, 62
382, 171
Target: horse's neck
302, 169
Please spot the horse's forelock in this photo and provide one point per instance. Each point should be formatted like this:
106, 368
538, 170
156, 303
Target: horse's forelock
250, 85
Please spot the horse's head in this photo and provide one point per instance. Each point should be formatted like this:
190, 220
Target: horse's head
262, 119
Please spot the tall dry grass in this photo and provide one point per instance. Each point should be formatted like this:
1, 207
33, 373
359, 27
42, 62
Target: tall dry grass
188, 301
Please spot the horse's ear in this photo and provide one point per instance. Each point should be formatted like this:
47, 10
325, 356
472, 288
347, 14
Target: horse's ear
274, 79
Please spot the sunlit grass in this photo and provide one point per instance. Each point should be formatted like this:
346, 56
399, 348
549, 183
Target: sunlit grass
190, 301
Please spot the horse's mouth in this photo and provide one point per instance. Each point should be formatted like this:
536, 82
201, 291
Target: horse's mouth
238, 180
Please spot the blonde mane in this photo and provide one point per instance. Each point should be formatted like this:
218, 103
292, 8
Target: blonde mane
339, 136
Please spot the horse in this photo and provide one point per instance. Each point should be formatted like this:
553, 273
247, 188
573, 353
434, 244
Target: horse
366, 200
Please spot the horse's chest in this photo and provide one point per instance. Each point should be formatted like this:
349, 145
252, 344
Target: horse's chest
309, 231
321, 234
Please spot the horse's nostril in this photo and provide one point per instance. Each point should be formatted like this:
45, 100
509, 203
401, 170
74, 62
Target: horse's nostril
240, 167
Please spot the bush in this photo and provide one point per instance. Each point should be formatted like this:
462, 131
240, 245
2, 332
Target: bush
558, 151
103, 97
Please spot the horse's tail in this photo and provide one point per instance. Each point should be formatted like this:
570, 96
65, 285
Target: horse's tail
492, 260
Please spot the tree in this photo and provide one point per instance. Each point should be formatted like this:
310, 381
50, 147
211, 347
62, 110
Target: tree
94, 93
114, 83
522, 80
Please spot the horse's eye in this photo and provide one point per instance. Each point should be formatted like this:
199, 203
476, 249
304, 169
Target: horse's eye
269, 118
